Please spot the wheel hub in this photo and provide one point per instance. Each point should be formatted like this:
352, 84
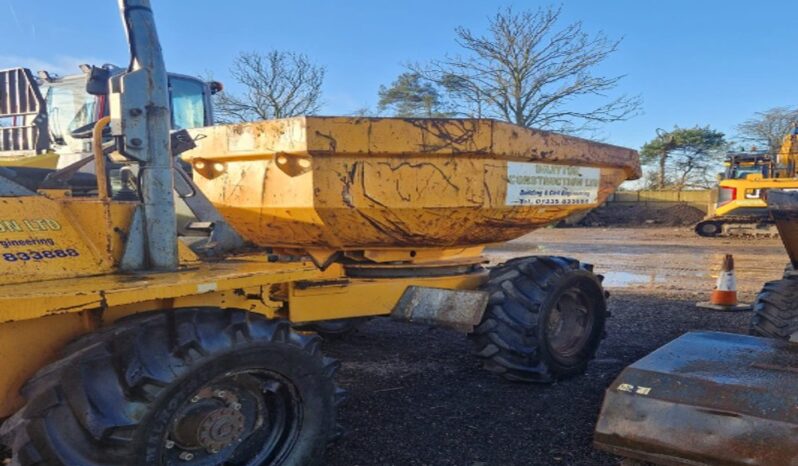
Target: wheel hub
212, 422
569, 325
220, 428
236, 416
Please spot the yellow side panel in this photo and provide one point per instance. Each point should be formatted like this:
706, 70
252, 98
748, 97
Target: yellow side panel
40, 298
26, 346
88, 215
40, 240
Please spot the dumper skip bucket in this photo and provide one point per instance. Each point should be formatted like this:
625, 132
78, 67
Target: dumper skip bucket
353, 183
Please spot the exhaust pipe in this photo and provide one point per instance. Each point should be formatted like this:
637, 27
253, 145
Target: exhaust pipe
140, 122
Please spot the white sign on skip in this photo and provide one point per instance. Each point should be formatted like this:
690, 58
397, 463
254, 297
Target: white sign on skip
540, 184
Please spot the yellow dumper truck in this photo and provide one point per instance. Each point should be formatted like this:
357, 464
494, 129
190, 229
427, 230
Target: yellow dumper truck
125, 343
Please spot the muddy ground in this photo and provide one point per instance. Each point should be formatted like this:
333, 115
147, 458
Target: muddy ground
417, 397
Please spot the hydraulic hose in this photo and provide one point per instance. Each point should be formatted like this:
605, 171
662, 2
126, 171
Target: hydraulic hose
99, 157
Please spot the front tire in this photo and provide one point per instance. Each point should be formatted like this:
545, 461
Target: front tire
199, 386
709, 229
544, 321
776, 310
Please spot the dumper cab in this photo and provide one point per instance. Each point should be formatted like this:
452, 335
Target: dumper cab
49, 123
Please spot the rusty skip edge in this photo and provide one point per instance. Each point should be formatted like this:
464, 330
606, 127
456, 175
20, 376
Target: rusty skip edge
460, 310
705, 398
783, 206
323, 136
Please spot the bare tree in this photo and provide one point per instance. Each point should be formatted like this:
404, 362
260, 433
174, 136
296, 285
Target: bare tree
767, 129
529, 71
275, 85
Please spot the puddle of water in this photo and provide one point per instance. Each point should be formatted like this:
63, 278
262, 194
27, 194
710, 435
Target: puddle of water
683, 278
622, 279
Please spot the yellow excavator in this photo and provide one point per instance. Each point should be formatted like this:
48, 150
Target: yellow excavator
741, 208
124, 342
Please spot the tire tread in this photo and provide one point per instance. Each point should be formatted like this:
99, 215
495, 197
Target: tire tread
776, 309
506, 341
104, 378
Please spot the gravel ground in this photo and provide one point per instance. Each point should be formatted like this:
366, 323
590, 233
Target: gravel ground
417, 397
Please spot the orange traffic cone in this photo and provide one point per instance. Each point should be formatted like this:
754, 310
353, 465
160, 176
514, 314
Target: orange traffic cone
724, 296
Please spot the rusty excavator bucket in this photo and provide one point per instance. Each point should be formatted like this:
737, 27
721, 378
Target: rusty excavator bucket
783, 207
708, 397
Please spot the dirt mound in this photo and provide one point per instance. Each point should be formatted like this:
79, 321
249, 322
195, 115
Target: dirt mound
640, 214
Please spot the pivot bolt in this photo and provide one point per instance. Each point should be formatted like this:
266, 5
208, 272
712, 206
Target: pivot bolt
134, 112
169, 444
186, 456
135, 142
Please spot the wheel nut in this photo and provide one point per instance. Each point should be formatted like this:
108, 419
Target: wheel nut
195, 399
219, 393
169, 444
236, 406
186, 456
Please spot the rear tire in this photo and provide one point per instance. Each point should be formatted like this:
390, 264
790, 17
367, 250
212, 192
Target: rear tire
544, 321
195, 386
776, 309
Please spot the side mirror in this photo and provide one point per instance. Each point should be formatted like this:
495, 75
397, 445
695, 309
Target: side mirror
97, 81
215, 86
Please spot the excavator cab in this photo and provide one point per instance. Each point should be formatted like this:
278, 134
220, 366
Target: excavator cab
741, 164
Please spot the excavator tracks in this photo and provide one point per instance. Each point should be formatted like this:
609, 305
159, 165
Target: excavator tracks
737, 227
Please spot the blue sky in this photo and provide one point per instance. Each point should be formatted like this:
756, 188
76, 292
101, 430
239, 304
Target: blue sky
693, 62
